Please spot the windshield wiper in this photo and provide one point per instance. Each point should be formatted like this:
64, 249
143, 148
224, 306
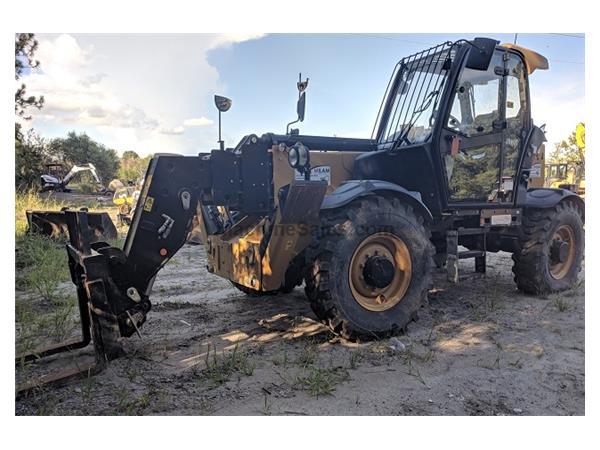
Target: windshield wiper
413, 119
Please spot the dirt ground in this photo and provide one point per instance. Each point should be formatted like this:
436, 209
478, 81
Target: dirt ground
479, 348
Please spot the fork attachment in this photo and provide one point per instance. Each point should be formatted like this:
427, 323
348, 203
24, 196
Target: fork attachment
113, 284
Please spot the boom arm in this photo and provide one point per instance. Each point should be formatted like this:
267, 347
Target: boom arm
116, 283
77, 169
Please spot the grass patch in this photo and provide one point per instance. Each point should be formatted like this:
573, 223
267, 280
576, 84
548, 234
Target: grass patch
40, 262
41, 265
322, 381
128, 403
356, 358
561, 304
281, 360
220, 368
266, 409
307, 356
36, 325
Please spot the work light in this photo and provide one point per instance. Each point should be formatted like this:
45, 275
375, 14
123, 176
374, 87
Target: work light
298, 156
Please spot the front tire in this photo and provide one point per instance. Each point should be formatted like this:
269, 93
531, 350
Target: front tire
371, 268
550, 249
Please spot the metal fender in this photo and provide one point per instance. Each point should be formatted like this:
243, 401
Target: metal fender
354, 189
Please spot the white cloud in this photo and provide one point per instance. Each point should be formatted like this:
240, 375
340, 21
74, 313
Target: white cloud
199, 122
72, 95
188, 123
62, 54
176, 130
223, 40
132, 91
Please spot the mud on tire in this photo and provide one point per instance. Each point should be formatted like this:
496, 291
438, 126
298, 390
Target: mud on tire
536, 270
327, 275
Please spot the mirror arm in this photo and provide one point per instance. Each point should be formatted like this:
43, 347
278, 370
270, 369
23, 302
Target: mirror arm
221, 143
287, 128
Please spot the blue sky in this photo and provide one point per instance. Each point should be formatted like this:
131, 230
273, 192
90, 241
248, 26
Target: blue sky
153, 93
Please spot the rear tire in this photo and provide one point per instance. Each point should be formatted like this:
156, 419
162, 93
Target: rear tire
539, 268
332, 281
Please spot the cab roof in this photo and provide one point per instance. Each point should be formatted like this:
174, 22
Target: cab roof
533, 60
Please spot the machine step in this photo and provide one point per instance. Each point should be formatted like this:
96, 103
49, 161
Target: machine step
453, 255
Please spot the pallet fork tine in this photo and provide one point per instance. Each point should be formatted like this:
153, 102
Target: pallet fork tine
78, 245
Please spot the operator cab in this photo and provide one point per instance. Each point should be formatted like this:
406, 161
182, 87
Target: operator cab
489, 117
56, 170
462, 110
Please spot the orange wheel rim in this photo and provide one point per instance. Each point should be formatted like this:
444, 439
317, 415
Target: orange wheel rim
560, 266
393, 252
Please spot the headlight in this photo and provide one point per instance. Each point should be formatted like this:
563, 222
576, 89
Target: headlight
293, 157
298, 156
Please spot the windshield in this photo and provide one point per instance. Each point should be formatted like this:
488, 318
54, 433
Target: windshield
410, 104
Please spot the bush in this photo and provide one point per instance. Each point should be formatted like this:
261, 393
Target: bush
30, 159
132, 167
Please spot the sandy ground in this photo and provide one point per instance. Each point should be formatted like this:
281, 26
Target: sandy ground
480, 348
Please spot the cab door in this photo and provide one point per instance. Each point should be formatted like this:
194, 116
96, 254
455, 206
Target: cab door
484, 131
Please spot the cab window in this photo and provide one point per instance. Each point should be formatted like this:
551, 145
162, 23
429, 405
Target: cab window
476, 102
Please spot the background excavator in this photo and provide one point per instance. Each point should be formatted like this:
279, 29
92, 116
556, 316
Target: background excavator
53, 223
55, 181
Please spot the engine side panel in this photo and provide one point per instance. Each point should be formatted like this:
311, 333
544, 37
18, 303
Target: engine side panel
333, 166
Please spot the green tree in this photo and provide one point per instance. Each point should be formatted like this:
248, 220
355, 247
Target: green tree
81, 149
30, 159
132, 167
25, 48
130, 154
567, 151
29, 149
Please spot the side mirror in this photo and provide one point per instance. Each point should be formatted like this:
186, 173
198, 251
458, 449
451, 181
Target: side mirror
480, 55
222, 103
301, 107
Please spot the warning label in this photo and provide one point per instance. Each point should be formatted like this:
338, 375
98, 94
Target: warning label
318, 173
